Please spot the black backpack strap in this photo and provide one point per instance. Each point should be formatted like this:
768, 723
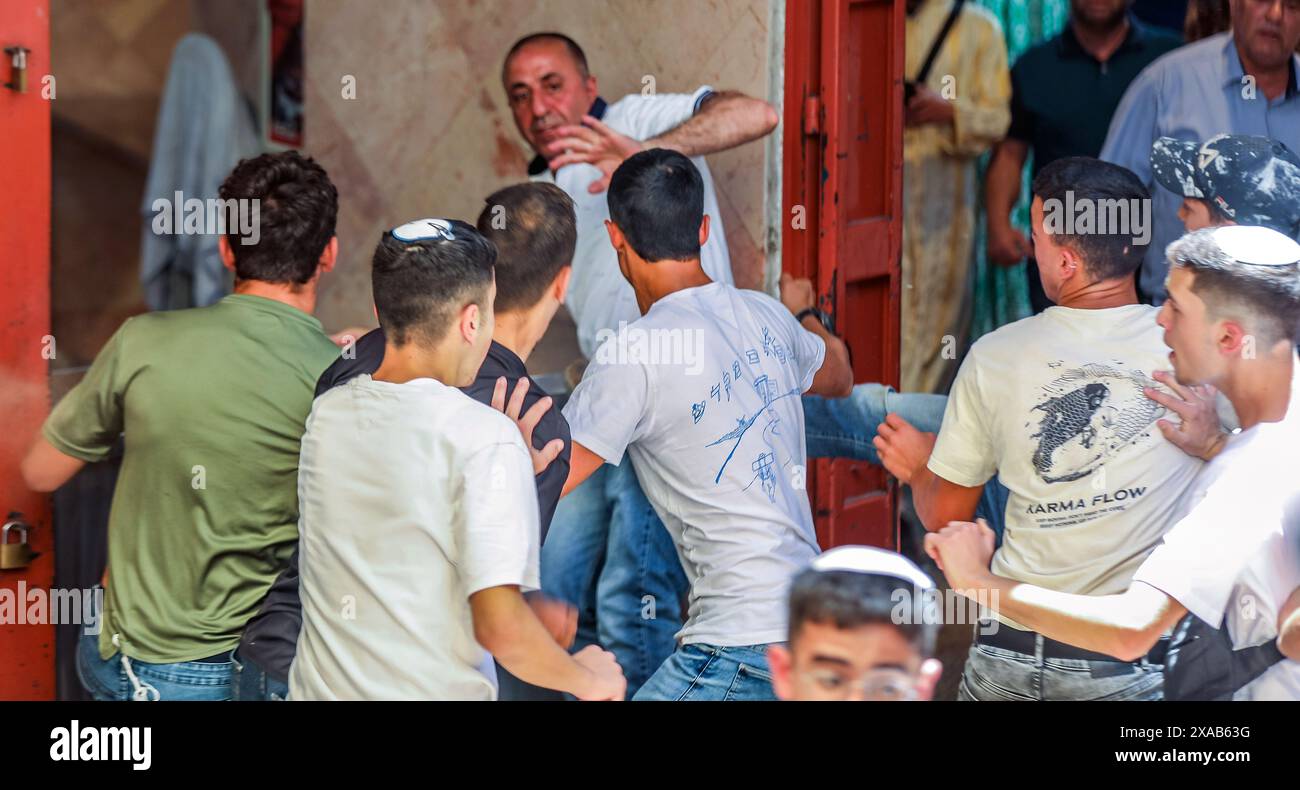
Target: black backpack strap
938, 42
1201, 663
1251, 662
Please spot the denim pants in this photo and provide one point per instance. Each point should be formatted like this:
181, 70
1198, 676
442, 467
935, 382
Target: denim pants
118, 678
699, 672
250, 683
845, 428
123, 679
608, 554
996, 674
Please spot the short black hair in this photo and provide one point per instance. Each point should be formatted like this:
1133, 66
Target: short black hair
850, 599
1217, 215
656, 198
534, 229
579, 57
1109, 255
1266, 298
420, 286
298, 207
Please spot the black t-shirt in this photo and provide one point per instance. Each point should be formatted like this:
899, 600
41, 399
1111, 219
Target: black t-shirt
271, 637
1062, 98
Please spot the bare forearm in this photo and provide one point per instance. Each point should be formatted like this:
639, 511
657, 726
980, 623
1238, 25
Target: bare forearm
726, 120
1126, 626
923, 495
838, 380
511, 632
45, 468
583, 463
1002, 183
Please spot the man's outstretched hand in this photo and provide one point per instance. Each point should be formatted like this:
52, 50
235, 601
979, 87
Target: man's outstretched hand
963, 552
596, 144
903, 450
541, 458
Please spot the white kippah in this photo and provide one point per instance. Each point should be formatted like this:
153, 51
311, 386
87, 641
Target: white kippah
868, 559
1256, 246
421, 229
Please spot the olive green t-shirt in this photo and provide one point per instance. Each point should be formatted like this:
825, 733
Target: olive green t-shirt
212, 404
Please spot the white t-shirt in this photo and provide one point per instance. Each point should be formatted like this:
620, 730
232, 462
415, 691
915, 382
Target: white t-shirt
1232, 556
412, 496
704, 395
598, 297
1053, 405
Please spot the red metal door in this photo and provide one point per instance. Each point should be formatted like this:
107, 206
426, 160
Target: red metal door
26, 649
842, 179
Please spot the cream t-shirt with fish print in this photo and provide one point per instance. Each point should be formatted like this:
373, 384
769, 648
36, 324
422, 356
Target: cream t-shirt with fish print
1053, 405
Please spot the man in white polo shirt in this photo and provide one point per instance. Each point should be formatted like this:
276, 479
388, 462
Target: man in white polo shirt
1232, 320
607, 551
419, 519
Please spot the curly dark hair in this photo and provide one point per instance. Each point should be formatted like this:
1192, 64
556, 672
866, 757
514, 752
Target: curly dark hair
297, 208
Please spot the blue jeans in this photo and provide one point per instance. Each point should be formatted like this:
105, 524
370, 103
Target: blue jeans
713, 674
108, 681
608, 554
996, 674
845, 428
250, 683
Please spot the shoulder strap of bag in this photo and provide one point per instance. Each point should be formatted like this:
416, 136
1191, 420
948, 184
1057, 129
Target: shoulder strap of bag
938, 42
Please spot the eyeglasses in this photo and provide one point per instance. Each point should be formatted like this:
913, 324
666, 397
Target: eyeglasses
876, 685
423, 230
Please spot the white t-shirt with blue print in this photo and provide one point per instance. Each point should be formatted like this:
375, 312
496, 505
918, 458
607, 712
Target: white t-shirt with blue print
703, 392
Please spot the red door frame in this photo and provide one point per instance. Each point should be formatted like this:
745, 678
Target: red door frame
26, 650
842, 176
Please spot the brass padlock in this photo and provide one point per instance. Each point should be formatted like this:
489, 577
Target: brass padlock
15, 555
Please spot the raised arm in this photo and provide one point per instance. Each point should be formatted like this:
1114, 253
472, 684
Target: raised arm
725, 120
834, 379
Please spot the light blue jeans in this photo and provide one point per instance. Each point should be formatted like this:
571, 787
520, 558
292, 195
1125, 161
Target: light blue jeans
995, 674
845, 428
699, 672
608, 554
108, 681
